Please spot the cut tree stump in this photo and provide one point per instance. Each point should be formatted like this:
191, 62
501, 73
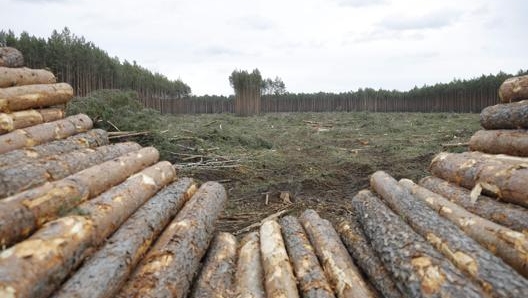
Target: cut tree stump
495, 277
11, 57
34, 96
179, 248
417, 268
249, 275
508, 215
505, 116
10, 77
343, 275
514, 89
27, 118
504, 141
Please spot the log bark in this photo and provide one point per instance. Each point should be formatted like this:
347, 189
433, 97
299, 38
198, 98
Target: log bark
43, 133
417, 268
216, 276
310, 275
91, 139
22, 177
506, 180
23, 119
494, 276
179, 249
343, 275
505, 116
514, 89
34, 96
23, 213
10, 77
249, 275
279, 280
508, 215
11, 57
504, 141
509, 245
361, 251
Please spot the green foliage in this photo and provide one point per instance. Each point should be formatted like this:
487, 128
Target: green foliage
273, 87
242, 79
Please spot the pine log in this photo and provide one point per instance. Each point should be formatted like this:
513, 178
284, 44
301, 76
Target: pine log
505, 116
509, 245
43, 133
310, 275
37, 266
508, 215
216, 276
91, 139
34, 96
249, 275
417, 268
361, 251
11, 57
27, 118
503, 179
343, 275
10, 77
503, 141
23, 213
179, 249
22, 177
514, 89
495, 277
279, 280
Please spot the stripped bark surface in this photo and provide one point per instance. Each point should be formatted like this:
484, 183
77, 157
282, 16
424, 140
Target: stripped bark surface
23, 119
310, 275
510, 246
10, 77
494, 276
504, 141
506, 180
11, 57
343, 275
34, 96
417, 268
22, 177
216, 276
179, 248
514, 89
23, 213
361, 251
249, 275
42, 133
279, 280
505, 116
508, 215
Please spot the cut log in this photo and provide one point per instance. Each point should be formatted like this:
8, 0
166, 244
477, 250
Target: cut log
23, 213
279, 280
179, 249
504, 141
361, 251
11, 57
505, 116
42, 133
311, 277
23, 119
510, 246
216, 276
506, 180
106, 272
508, 215
22, 177
34, 96
417, 268
91, 139
495, 277
514, 89
343, 275
10, 77
37, 266
249, 274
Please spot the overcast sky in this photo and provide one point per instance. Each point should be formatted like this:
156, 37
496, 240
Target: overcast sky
313, 45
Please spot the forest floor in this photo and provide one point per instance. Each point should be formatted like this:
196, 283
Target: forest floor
319, 160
